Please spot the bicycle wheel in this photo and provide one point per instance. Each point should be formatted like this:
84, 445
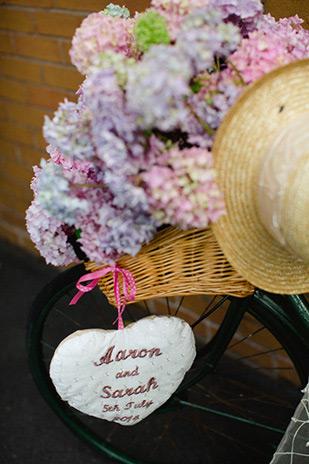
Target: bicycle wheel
232, 403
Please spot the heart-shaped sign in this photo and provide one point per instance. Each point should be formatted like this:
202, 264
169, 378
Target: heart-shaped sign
123, 375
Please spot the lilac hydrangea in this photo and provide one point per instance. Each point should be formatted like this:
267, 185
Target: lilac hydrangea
182, 189
157, 87
117, 62
244, 14
49, 236
69, 131
204, 37
108, 231
115, 135
209, 106
55, 195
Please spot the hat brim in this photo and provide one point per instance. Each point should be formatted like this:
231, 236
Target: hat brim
240, 143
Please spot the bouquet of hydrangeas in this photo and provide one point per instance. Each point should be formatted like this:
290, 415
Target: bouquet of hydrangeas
134, 153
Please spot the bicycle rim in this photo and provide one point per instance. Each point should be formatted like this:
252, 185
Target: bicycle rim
226, 405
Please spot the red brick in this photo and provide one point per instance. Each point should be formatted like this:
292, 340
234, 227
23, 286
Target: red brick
90, 5
97, 5
32, 156
7, 150
45, 97
7, 233
14, 187
38, 47
40, 142
28, 115
13, 218
6, 200
59, 76
20, 205
4, 114
34, 3
55, 23
19, 172
16, 132
20, 69
15, 20
12, 90
66, 46
6, 42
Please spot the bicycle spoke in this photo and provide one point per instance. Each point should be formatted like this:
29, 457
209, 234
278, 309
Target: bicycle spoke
66, 316
222, 404
253, 355
211, 311
179, 306
244, 339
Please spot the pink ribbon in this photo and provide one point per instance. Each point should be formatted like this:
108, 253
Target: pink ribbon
129, 288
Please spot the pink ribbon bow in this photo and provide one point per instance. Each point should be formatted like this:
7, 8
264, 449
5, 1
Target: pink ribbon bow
94, 277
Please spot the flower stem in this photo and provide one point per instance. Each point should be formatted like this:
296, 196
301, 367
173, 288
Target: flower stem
200, 120
237, 72
89, 185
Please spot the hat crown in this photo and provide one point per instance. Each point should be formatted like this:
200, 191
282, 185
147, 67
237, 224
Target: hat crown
283, 188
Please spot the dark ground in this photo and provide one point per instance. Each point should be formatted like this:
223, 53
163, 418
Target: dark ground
30, 432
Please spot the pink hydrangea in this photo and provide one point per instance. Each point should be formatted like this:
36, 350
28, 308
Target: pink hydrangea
97, 34
274, 44
182, 189
76, 171
175, 11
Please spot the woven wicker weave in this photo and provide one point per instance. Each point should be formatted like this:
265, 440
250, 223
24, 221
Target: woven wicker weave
178, 263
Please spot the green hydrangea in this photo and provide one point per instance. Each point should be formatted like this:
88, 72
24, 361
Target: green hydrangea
116, 11
150, 29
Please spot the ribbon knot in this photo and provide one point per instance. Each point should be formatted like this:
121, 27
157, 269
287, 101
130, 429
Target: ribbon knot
129, 287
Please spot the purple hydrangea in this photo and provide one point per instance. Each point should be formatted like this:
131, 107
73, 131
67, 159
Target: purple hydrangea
209, 106
157, 88
69, 131
244, 14
204, 37
109, 232
56, 196
114, 133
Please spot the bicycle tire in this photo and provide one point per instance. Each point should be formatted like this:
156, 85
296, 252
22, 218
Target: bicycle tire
178, 410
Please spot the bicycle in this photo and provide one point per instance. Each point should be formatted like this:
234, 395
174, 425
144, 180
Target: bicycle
212, 386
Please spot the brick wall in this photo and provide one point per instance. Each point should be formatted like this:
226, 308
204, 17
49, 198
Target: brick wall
35, 75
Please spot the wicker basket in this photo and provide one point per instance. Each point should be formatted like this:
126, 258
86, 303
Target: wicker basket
180, 263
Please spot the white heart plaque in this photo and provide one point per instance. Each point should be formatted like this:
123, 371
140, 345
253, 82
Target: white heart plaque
123, 375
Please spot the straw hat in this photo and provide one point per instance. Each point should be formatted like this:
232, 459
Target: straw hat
261, 153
